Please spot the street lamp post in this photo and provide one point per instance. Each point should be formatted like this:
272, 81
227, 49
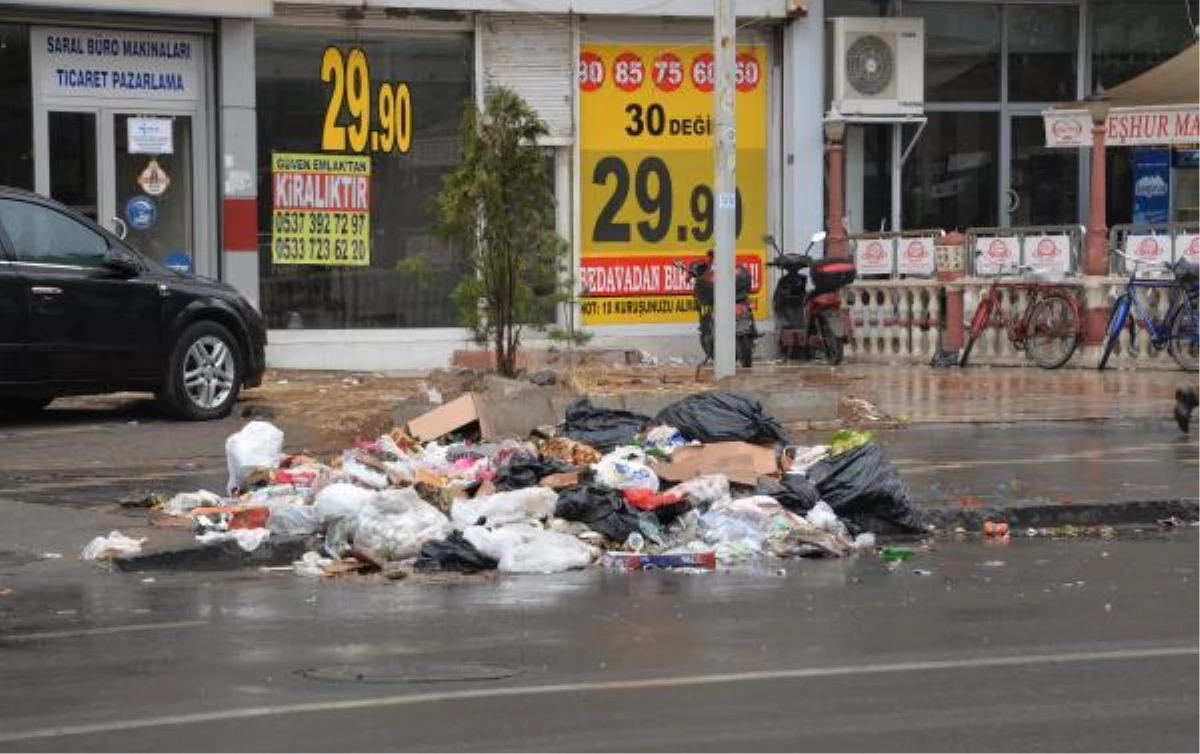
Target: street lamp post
835, 132
1096, 259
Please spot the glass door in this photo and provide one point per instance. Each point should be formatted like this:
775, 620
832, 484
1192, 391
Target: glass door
74, 160
152, 185
1043, 185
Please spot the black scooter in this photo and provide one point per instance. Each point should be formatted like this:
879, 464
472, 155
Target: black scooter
815, 323
701, 274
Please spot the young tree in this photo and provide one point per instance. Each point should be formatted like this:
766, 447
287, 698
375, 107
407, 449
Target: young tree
498, 204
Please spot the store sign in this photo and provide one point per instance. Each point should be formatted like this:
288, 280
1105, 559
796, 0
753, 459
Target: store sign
109, 64
1187, 246
1051, 254
150, 136
874, 256
994, 254
916, 257
1146, 250
363, 116
320, 209
1126, 127
646, 155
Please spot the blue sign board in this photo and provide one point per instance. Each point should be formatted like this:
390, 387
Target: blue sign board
1151, 185
141, 212
180, 262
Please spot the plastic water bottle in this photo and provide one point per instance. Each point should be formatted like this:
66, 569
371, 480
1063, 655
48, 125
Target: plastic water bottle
635, 542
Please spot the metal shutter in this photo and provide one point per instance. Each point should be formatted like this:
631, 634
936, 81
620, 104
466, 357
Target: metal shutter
531, 54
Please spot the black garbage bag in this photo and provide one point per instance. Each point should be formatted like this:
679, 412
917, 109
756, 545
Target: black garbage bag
602, 428
526, 470
602, 509
865, 491
793, 492
722, 416
454, 553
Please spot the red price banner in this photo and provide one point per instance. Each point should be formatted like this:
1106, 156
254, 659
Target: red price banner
591, 71
629, 72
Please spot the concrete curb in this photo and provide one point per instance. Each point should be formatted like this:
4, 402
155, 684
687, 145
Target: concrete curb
1025, 514
223, 556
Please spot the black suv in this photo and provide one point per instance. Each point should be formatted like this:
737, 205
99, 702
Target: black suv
83, 313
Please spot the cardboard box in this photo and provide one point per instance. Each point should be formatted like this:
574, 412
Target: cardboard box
454, 416
741, 462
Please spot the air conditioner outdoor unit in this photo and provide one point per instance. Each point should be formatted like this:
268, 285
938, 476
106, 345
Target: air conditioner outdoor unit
877, 66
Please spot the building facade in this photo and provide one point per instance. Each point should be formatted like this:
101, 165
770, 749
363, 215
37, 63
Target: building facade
991, 68
292, 148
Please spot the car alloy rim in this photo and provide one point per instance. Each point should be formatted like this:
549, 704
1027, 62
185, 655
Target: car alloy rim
208, 372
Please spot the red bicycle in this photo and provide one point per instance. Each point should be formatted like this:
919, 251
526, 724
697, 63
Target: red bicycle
1049, 329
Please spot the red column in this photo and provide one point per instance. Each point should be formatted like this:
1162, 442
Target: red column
836, 243
1096, 258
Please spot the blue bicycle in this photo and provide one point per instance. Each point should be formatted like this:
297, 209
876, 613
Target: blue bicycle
1178, 331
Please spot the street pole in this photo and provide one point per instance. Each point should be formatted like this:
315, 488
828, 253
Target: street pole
725, 184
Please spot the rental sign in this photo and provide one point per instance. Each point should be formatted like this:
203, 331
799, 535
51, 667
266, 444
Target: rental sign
1127, 127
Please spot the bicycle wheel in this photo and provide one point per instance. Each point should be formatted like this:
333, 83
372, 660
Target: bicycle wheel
1112, 331
982, 314
1052, 331
1183, 344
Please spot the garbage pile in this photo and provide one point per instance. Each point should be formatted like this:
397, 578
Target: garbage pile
711, 480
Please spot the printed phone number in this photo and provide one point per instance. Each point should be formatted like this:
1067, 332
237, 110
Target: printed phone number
319, 223
320, 250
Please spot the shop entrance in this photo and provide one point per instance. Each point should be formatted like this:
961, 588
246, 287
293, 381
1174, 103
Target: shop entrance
119, 140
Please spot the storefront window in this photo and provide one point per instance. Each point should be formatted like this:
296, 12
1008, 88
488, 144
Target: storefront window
950, 179
392, 103
1042, 44
962, 50
16, 117
1131, 38
877, 177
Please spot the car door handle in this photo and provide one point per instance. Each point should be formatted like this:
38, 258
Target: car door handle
45, 290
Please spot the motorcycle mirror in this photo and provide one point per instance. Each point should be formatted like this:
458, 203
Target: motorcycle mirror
817, 237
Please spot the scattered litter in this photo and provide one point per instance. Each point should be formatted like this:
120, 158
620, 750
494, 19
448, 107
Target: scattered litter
712, 480
922, 572
995, 529
115, 545
993, 564
896, 554
51, 555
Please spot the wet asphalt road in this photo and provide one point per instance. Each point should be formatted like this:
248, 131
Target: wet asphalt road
1070, 645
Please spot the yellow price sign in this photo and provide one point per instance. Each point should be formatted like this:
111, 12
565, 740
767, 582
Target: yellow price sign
646, 149
377, 124
320, 209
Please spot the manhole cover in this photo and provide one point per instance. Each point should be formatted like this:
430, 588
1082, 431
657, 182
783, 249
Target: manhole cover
385, 673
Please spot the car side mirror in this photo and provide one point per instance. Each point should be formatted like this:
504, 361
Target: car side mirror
122, 262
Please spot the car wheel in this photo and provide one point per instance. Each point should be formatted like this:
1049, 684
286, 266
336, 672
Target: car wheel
22, 406
204, 374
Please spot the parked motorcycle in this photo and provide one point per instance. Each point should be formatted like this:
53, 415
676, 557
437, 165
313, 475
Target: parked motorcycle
809, 323
701, 273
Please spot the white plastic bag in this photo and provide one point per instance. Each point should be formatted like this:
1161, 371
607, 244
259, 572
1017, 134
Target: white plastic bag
341, 500
617, 474
257, 445
705, 490
115, 545
520, 548
514, 506
822, 517
396, 525
311, 565
185, 501
247, 539
290, 518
